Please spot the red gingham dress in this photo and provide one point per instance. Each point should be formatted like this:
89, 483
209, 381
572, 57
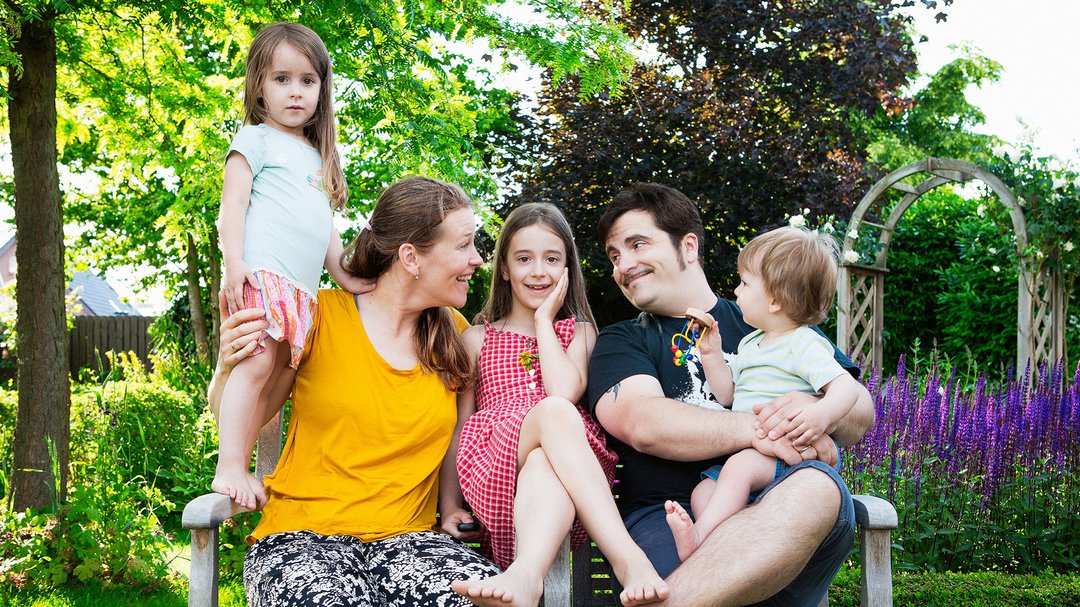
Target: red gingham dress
487, 452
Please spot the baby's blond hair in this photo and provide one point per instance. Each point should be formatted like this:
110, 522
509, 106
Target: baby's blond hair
797, 268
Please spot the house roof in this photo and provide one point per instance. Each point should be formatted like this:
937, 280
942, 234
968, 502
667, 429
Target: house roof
98, 298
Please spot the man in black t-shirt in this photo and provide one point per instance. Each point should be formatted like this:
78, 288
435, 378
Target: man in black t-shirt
786, 548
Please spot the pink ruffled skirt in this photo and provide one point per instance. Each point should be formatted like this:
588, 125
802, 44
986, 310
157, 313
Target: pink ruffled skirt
290, 311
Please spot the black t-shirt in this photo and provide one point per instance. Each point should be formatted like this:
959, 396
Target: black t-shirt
642, 346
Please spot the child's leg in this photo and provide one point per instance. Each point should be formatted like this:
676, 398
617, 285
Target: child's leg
239, 424
539, 530
555, 426
702, 494
744, 472
279, 388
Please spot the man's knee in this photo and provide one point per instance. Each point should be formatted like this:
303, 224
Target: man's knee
809, 487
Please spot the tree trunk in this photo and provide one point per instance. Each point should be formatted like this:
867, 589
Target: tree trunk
215, 287
198, 319
42, 346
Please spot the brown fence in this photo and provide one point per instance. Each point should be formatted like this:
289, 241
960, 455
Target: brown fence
93, 336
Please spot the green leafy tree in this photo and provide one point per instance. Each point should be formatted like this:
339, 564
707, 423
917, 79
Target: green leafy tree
148, 98
938, 120
742, 105
155, 99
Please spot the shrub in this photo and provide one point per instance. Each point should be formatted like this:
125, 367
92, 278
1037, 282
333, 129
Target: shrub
943, 289
983, 477
982, 589
107, 532
139, 450
163, 435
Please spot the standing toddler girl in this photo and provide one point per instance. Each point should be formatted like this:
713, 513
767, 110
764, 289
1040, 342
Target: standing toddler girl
529, 459
283, 179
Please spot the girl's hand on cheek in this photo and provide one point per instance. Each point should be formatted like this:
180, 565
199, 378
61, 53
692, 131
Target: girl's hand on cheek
547, 310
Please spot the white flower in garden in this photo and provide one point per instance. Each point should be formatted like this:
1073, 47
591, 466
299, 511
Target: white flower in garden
805, 211
853, 233
797, 221
1059, 183
941, 390
993, 250
828, 228
995, 268
1069, 246
980, 210
851, 256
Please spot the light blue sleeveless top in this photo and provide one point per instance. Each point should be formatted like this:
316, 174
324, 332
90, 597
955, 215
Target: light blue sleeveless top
287, 230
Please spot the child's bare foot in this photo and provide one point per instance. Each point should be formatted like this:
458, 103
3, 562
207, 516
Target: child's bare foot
641, 584
241, 486
513, 588
686, 535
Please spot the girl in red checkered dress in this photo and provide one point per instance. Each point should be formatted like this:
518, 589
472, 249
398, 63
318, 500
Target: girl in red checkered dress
525, 451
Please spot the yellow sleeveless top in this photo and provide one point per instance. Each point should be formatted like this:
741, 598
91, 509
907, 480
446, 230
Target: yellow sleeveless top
365, 440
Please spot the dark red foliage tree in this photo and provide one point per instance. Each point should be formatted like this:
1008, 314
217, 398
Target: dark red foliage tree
743, 105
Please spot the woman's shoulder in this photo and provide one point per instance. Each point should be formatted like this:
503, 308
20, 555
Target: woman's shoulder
334, 302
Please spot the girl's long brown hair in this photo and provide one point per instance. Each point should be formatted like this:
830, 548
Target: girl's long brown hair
500, 298
412, 211
321, 130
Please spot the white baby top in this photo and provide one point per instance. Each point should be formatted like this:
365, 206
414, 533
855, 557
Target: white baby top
800, 361
289, 219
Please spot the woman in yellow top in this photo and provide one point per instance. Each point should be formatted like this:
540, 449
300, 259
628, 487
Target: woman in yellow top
349, 512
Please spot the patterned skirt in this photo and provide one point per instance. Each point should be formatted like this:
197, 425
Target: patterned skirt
290, 311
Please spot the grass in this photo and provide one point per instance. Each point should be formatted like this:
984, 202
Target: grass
231, 595
983, 589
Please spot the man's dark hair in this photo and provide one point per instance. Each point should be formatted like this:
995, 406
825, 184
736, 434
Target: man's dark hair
670, 209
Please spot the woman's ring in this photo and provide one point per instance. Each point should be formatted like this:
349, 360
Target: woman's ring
803, 450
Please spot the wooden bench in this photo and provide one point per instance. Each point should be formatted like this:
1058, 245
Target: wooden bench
875, 519
577, 578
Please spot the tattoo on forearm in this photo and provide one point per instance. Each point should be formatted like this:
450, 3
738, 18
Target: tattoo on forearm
615, 390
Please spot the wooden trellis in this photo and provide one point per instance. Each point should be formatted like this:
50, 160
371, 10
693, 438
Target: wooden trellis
861, 287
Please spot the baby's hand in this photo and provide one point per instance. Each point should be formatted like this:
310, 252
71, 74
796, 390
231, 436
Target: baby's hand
808, 424
355, 284
709, 341
236, 274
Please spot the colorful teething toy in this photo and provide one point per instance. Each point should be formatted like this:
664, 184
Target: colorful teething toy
692, 331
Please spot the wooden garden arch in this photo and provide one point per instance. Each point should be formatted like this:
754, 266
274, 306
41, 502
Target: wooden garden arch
1040, 327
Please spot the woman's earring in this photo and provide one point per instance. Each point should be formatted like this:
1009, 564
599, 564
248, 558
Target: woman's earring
417, 276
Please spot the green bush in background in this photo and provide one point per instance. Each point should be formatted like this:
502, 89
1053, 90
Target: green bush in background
140, 450
952, 284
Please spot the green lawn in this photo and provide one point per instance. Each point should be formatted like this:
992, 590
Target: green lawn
910, 590
232, 595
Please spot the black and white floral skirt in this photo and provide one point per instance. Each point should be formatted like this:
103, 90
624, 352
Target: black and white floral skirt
411, 570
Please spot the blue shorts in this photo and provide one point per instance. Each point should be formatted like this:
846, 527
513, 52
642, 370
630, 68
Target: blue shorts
713, 473
648, 526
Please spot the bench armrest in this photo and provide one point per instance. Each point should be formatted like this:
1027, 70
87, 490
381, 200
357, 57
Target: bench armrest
209, 511
874, 513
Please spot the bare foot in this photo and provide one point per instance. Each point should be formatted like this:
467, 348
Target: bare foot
241, 486
512, 588
686, 535
641, 584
